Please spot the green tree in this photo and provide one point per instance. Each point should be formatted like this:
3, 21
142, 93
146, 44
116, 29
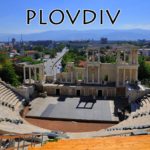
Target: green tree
26, 59
144, 69
108, 59
8, 74
73, 56
7, 71
39, 48
37, 55
53, 53
30, 60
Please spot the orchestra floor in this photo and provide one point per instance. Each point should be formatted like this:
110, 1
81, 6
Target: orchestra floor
73, 108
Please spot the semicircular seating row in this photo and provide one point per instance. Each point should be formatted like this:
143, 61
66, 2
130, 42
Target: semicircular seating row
10, 119
139, 119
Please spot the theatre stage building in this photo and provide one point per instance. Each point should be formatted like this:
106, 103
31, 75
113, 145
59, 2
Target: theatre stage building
96, 79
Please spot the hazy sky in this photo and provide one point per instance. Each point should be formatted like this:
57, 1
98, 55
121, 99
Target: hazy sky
134, 14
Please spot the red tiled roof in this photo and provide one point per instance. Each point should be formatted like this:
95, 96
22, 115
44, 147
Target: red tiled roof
82, 64
14, 51
31, 52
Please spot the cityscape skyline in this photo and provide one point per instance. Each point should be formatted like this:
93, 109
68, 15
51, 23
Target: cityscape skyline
13, 15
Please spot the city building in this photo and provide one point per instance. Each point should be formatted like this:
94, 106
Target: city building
104, 40
145, 51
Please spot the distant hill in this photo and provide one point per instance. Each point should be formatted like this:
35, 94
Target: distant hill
134, 34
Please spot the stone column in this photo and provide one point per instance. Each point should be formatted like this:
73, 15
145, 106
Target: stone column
124, 77
87, 57
136, 58
83, 75
98, 55
98, 74
87, 75
93, 58
76, 76
130, 75
124, 56
40, 74
29, 75
66, 77
71, 77
42, 68
136, 75
93, 75
130, 57
118, 57
24, 73
118, 77
35, 74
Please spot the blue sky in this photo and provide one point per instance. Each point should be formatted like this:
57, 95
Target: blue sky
134, 14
